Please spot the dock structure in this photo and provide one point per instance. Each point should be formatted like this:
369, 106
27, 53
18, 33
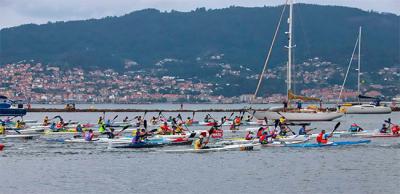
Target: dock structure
137, 110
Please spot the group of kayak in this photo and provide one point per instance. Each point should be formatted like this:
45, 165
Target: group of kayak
174, 131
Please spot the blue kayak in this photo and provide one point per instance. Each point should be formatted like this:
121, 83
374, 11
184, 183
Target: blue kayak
336, 143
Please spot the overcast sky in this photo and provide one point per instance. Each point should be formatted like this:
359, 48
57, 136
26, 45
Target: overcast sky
17, 12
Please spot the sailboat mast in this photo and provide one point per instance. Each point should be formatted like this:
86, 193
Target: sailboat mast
289, 64
359, 61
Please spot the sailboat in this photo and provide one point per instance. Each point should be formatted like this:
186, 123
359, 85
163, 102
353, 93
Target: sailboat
373, 108
307, 114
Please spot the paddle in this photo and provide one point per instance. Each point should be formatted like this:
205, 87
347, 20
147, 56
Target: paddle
336, 127
116, 116
123, 129
230, 116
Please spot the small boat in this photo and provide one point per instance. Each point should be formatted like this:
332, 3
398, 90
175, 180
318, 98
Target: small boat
336, 143
7, 109
239, 147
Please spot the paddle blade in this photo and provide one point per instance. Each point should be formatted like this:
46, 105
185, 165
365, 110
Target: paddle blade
116, 116
336, 126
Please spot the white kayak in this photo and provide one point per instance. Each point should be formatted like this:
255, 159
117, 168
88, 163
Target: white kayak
294, 138
22, 136
99, 140
239, 147
25, 131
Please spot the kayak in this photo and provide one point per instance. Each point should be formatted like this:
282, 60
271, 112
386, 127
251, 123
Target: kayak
383, 135
137, 145
240, 147
25, 131
336, 143
32, 136
99, 140
292, 138
282, 143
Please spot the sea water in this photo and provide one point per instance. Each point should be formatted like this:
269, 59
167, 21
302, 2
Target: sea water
45, 166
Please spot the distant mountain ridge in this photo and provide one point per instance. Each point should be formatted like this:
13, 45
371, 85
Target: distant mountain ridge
242, 35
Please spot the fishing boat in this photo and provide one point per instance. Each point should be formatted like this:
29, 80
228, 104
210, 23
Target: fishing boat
303, 114
373, 108
7, 108
329, 144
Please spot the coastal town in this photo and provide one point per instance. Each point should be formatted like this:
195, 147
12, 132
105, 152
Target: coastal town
39, 83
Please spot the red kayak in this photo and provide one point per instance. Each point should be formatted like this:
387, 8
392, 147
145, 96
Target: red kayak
384, 135
1, 147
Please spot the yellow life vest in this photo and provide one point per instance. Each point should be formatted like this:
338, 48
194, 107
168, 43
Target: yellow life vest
2, 129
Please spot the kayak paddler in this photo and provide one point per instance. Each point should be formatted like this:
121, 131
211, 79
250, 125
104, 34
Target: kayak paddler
102, 128
355, 128
322, 137
2, 128
264, 137
383, 129
165, 129
125, 119
18, 125
89, 135
46, 121
100, 121
198, 144
303, 130
249, 135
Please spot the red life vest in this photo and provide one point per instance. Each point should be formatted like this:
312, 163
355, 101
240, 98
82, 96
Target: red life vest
395, 129
320, 139
260, 132
59, 125
237, 121
263, 138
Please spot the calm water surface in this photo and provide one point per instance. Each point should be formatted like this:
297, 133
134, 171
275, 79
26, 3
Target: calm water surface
41, 166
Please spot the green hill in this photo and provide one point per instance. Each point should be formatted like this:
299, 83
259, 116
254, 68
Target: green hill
241, 34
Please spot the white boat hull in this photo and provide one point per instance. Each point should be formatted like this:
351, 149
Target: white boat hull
367, 109
298, 116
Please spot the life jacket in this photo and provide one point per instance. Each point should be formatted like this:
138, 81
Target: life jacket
197, 144
263, 139
2, 129
102, 128
395, 129
237, 121
282, 120
320, 139
189, 122
88, 136
165, 128
260, 132
59, 125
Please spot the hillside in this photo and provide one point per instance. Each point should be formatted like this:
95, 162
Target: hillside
241, 34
